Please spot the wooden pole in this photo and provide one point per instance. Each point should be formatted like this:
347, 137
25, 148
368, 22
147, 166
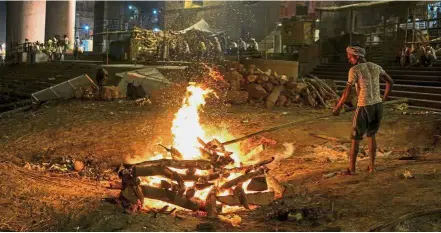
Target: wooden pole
405, 32
413, 27
320, 41
108, 46
266, 32
351, 26
384, 37
293, 123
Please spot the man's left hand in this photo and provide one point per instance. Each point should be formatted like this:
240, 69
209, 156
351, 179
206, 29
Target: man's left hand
336, 111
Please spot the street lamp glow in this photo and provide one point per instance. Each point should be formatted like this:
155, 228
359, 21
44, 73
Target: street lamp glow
156, 29
130, 7
279, 24
86, 28
155, 12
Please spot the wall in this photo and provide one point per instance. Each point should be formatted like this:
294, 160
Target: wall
84, 16
25, 20
2, 21
288, 68
236, 18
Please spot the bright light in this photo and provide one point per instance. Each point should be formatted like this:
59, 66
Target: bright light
130, 7
156, 29
3, 45
86, 28
155, 12
279, 24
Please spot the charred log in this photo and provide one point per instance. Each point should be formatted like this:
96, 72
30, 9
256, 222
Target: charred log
264, 198
181, 164
170, 197
243, 178
240, 193
159, 171
258, 184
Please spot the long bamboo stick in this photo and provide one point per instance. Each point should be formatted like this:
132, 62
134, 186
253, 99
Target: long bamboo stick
293, 123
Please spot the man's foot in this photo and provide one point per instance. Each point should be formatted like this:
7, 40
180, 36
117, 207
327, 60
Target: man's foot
347, 172
371, 169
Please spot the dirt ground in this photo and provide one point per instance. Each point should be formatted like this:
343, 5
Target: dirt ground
103, 133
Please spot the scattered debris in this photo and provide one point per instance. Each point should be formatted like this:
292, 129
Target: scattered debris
78, 166
407, 175
234, 220
329, 175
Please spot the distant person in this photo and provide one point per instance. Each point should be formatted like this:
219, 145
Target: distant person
429, 56
186, 50
254, 45
217, 48
202, 49
77, 44
419, 54
2, 53
26, 46
242, 45
66, 43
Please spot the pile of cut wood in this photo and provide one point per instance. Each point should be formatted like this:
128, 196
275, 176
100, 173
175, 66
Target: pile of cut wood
182, 179
270, 89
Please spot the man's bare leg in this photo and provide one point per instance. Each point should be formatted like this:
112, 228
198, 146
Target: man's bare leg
372, 144
353, 155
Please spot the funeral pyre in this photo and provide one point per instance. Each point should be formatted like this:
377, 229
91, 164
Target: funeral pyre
198, 173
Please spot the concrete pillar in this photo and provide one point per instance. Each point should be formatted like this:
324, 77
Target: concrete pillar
60, 19
99, 21
25, 19
277, 43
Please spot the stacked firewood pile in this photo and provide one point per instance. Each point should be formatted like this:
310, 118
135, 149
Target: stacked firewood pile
269, 89
210, 173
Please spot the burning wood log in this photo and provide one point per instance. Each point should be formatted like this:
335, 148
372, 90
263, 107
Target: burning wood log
243, 178
159, 170
190, 193
181, 164
239, 192
210, 203
170, 197
202, 186
173, 151
263, 198
194, 177
258, 184
251, 167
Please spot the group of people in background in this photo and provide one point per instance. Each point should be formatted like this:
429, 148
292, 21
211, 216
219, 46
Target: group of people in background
55, 48
2, 53
420, 55
198, 46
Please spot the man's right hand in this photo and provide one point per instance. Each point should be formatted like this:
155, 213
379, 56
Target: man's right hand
336, 111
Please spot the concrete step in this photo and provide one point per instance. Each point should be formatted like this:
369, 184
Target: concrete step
390, 72
415, 99
402, 87
396, 81
421, 78
345, 66
394, 75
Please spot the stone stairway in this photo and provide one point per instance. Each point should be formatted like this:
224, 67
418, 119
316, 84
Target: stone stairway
422, 85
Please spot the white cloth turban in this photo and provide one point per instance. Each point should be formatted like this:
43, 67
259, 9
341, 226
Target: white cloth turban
356, 50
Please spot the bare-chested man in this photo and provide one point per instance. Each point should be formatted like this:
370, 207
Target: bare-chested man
366, 78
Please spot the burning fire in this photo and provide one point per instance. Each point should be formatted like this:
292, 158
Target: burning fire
186, 127
187, 131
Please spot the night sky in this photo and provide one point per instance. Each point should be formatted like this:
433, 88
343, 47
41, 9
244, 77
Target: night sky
2, 20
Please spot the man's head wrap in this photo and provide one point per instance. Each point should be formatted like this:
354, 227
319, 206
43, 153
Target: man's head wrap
356, 50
